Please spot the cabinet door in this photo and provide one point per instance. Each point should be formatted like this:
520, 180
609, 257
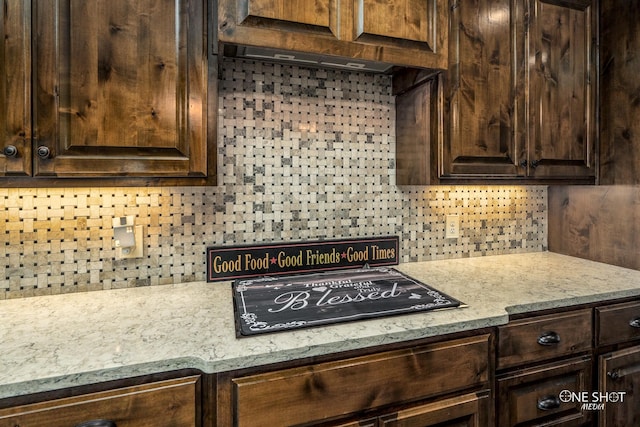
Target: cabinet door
15, 88
324, 15
619, 380
400, 32
562, 88
170, 403
414, 24
483, 97
470, 410
120, 88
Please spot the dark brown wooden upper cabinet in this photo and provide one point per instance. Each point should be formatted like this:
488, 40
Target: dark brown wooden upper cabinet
118, 90
519, 95
562, 89
15, 88
399, 32
484, 96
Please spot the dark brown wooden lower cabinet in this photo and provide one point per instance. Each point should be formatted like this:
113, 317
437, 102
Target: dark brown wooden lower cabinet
533, 396
170, 403
388, 388
619, 388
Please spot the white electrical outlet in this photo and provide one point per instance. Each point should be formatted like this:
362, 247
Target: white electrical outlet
132, 251
452, 227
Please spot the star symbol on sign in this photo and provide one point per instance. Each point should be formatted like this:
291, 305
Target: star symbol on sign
343, 254
273, 260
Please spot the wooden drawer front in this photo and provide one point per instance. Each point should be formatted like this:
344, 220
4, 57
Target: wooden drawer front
533, 395
470, 410
618, 323
169, 403
333, 389
524, 341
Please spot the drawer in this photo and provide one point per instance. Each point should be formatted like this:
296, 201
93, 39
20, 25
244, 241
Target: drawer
617, 323
170, 403
532, 396
330, 390
467, 410
544, 337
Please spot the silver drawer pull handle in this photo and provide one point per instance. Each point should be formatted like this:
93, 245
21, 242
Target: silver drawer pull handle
549, 338
635, 323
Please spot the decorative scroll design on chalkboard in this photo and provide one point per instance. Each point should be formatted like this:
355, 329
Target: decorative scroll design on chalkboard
268, 305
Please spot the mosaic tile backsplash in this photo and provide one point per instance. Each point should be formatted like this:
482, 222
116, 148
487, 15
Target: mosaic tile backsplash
302, 154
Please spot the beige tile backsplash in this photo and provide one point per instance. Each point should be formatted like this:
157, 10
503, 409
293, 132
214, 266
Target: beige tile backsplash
302, 154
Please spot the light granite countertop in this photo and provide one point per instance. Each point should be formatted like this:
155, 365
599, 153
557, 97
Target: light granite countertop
59, 341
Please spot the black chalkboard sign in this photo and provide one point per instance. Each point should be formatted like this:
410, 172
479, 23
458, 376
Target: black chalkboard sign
282, 259
277, 304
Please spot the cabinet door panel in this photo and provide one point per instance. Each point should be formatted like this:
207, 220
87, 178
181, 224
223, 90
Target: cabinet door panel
121, 88
620, 373
15, 88
562, 92
396, 21
471, 410
331, 390
171, 403
481, 94
311, 12
399, 32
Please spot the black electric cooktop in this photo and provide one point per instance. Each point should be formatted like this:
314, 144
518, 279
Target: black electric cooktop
278, 304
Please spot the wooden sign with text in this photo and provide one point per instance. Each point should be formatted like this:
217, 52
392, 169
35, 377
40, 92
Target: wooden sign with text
241, 262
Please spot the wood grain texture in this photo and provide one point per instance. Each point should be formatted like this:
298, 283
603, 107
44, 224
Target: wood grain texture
519, 392
620, 92
481, 91
418, 129
562, 101
15, 87
121, 88
401, 32
335, 389
520, 92
626, 365
518, 341
470, 410
171, 403
613, 323
597, 223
